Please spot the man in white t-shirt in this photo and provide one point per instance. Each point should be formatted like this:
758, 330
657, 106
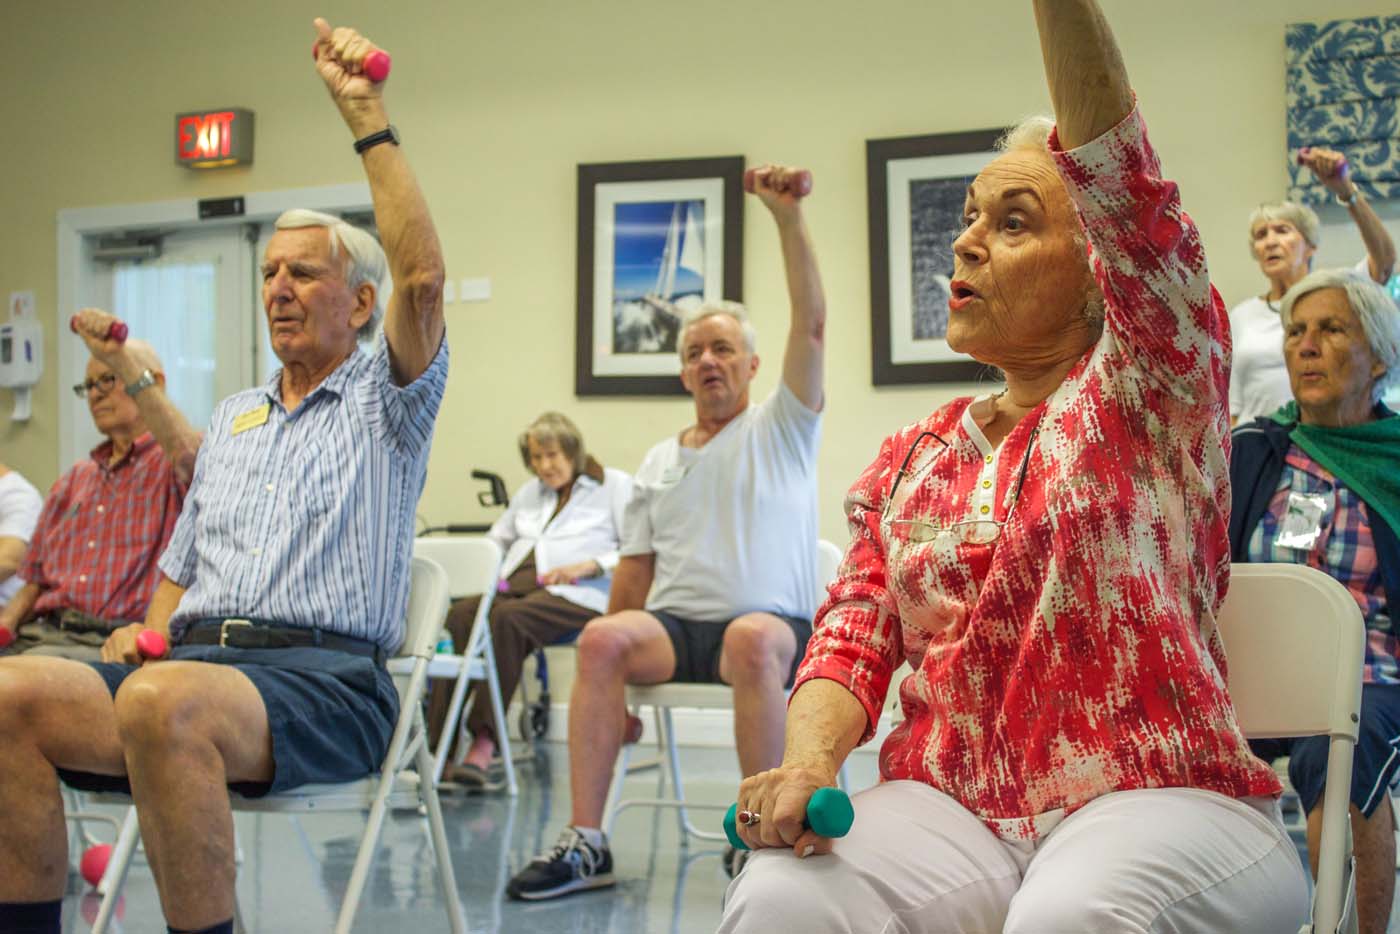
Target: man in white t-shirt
20, 504
717, 579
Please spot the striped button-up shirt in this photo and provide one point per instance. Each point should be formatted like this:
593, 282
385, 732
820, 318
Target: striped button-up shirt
306, 517
101, 531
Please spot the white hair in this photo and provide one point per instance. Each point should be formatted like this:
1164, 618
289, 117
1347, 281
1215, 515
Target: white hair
1032, 133
1374, 308
730, 309
1302, 217
364, 258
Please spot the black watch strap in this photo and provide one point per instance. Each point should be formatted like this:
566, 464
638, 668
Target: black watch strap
386, 135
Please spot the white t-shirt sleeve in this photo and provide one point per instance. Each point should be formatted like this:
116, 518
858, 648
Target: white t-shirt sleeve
797, 429
1237, 366
20, 504
620, 484
636, 517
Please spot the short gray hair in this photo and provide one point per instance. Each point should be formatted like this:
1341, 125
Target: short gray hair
1302, 217
555, 428
1032, 133
364, 258
730, 309
1374, 308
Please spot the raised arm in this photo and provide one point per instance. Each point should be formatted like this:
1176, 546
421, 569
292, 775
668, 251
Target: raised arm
781, 190
413, 323
1329, 166
1088, 84
173, 432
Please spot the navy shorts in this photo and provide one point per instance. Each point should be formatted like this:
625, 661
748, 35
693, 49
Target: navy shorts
698, 645
331, 713
1374, 763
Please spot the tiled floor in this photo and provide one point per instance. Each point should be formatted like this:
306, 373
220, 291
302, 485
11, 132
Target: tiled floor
295, 871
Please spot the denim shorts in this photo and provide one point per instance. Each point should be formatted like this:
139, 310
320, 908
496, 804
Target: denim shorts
1374, 761
331, 714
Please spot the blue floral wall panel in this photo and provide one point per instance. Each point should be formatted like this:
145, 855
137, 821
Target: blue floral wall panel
1343, 92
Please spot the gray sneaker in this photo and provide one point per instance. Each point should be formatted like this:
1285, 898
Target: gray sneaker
572, 866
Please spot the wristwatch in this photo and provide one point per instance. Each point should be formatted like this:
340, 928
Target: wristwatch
1356, 196
386, 135
146, 380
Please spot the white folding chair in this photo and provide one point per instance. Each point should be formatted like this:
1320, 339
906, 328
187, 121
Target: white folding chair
473, 566
396, 786
662, 698
1294, 644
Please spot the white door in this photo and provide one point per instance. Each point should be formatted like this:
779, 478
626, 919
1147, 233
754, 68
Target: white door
194, 303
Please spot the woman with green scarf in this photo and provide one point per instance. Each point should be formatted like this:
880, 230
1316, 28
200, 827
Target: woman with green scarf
1318, 483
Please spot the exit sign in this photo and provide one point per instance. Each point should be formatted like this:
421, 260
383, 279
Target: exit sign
214, 139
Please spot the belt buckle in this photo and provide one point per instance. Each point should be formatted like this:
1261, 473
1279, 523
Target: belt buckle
228, 624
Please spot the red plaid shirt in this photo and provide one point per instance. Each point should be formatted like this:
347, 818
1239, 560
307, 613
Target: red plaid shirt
101, 532
1077, 654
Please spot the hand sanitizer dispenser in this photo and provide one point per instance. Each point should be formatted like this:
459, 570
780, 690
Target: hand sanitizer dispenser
21, 361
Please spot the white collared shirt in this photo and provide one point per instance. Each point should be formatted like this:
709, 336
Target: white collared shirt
589, 527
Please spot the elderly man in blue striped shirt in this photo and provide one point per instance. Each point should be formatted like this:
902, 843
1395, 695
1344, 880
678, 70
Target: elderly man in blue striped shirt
286, 580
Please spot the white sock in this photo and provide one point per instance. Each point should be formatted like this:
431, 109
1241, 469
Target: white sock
593, 836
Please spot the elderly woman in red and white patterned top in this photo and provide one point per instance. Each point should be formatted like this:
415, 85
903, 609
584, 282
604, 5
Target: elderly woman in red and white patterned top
1049, 561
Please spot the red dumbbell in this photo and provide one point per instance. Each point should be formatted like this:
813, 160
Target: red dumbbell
117, 331
376, 64
151, 644
6, 637
800, 184
93, 865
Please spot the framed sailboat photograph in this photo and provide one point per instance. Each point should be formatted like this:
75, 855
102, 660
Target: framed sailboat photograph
916, 187
655, 240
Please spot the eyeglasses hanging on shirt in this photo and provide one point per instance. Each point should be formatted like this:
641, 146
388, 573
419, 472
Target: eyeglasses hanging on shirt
967, 531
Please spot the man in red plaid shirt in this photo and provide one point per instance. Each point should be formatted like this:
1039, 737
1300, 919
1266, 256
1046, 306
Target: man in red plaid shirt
91, 564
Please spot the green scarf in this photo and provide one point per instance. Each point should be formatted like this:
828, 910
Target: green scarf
1365, 457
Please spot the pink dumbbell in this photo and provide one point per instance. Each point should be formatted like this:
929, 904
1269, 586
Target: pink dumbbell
1343, 170
376, 64
117, 331
151, 644
800, 184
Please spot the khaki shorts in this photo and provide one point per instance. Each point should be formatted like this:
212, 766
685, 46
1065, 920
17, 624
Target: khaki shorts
41, 637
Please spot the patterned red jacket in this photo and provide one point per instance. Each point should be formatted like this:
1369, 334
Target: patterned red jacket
1077, 654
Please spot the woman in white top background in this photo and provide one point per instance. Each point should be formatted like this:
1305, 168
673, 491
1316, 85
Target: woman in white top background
1283, 238
560, 537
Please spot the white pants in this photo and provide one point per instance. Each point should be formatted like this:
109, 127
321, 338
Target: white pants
1160, 860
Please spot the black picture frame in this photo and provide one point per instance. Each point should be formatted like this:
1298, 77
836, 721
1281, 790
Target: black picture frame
935, 168
621, 344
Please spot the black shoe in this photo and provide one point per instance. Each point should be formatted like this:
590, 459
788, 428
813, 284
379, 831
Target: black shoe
572, 866
734, 860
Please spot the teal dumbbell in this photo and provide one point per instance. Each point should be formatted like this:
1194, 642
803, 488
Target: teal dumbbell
829, 813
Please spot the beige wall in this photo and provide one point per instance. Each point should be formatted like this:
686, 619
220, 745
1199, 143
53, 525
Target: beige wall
498, 101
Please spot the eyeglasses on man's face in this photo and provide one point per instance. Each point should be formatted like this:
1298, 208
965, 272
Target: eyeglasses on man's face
103, 384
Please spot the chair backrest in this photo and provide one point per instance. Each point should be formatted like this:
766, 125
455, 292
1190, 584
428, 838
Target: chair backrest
471, 562
427, 606
1294, 645
828, 561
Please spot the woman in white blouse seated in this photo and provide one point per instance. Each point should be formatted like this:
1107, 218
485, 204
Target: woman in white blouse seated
1283, 238
560, 538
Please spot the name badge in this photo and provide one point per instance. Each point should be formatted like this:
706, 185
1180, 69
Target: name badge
1302, 521
251, 418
